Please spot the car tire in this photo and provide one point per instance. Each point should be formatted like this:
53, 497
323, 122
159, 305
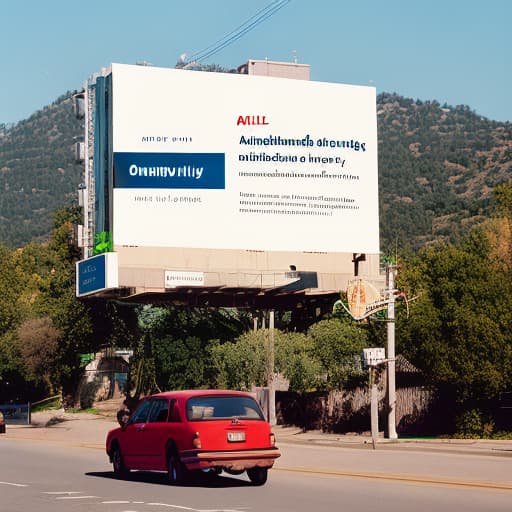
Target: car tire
120, 470
176, 471
257, 475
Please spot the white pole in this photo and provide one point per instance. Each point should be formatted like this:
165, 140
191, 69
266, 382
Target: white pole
374, 407
391, 354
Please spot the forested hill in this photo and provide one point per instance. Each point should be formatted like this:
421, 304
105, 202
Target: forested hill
438, 166
38, 172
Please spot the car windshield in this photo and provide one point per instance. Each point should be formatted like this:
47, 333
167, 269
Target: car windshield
203, 408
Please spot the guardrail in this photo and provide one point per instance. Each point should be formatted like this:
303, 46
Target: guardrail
47, 402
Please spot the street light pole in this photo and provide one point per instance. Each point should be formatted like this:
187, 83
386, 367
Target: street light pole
390, 275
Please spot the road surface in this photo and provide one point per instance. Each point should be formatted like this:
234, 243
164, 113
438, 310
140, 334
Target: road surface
44, 476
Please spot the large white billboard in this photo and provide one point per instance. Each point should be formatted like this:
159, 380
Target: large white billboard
227, 161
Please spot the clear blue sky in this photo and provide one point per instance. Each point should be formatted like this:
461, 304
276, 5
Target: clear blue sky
453, 51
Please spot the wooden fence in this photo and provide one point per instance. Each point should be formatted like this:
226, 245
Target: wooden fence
349, 410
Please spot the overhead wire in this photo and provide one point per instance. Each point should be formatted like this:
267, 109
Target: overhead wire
248, 25
222, 39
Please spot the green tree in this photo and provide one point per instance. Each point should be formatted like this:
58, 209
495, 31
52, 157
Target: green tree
181, 362
295, 359
337, 344
503, 197
173, 348
460, 328
56, 299
14, 307
38, 344
242, 363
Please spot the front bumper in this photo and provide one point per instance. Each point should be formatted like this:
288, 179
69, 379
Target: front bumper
232, 460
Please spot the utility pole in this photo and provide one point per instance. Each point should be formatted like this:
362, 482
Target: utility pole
390, 278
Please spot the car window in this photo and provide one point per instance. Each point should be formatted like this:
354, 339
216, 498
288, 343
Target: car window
204, 408
159, 411
141, 413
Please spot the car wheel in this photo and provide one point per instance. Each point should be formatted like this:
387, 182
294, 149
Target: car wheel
257, 475
120, 469
176, 471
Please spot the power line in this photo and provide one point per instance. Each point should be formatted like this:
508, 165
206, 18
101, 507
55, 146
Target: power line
240, 31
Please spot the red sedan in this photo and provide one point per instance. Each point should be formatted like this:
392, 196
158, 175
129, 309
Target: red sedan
182, 431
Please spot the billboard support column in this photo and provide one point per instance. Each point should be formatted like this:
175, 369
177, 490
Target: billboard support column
390, 278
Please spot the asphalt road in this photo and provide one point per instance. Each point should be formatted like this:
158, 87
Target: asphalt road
51, 476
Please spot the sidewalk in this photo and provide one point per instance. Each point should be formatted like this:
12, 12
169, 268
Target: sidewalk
89, 430
470, 446
78, 429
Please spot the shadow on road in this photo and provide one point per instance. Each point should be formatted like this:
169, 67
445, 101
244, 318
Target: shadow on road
197, 480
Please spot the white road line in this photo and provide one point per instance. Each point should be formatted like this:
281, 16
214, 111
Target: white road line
196, 509
172, 506
115, 502
14, 485
75, 497
62, 492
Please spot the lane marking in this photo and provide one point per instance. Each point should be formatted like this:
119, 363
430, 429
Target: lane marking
195, 509
13, 484
62, 492
75, 497
402, 478
172, 506
116, 502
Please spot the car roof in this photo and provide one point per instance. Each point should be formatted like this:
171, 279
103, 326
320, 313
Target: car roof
191, 393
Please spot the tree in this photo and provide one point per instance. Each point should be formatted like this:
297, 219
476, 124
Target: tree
244, 362
181, 362
173, 351
503, 197
56, 299
296, 360
460, 328
337, 344
14, 307
12, 287
38, 344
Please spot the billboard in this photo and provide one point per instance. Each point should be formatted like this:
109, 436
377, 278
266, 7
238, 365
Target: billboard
226, 161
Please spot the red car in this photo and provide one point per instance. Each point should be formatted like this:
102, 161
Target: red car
182, 431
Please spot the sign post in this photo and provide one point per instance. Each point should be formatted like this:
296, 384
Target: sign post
373, 357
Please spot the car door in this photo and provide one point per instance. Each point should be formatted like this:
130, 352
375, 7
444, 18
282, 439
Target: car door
154, 435
131, 437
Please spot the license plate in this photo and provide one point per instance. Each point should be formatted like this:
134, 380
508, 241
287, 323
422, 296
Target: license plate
236, 437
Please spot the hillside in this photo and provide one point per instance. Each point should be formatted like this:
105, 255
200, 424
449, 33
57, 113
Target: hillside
438, 166
38, 173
